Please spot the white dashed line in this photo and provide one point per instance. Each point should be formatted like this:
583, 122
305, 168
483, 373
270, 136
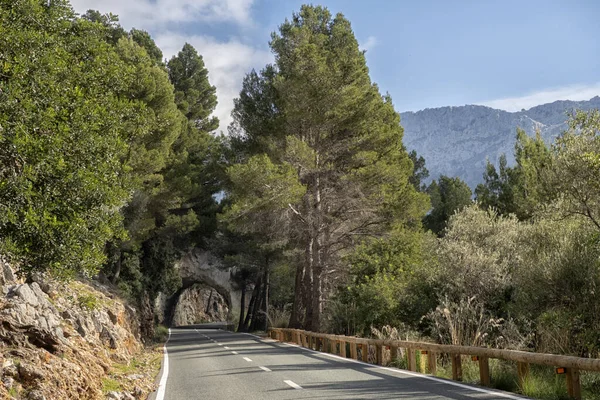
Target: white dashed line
220, 344
265, 369
415, 374
234, 352
294, 385
247, 359
226, 348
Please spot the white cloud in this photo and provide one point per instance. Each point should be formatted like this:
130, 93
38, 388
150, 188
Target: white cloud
369, 44
572, 92
147, 14
227, 63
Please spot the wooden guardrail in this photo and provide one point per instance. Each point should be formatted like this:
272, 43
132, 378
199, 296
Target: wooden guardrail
337, 344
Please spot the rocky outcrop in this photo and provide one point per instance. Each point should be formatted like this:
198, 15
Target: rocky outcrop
199, 304
57, 340
202, 267
456, 141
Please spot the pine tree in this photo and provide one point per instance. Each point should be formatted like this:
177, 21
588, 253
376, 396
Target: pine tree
343, 140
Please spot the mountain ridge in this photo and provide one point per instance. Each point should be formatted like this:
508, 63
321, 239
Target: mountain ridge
457, 140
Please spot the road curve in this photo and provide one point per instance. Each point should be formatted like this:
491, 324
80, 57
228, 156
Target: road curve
209, 363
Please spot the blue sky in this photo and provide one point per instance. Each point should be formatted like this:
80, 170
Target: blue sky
507, 54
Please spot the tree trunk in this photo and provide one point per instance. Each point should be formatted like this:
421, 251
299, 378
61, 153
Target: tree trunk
317, 265
256, 316
266, 294
297, 306
242, 307
308, 284
251, 306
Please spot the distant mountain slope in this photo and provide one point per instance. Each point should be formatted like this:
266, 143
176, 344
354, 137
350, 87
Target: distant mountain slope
456, 141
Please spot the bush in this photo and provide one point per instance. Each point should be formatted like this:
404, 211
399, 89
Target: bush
161, 334
88, 302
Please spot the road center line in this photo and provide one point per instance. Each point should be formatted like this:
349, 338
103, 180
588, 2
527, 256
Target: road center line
247, 359
294, 385
265, 369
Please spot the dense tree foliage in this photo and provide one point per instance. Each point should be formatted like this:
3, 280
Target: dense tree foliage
317, 114
65, 125
448, 196
520, 189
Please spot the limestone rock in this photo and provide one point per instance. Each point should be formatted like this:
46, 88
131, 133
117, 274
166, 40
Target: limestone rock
61, 347
198, 304
455, 141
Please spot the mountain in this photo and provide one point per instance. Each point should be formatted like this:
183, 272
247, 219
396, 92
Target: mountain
456, 141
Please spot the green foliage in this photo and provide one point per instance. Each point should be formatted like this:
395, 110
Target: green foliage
195, 96
88, 301
420, 172
448, 196
521, 189
576, 159
64, 129
110, 385
316, 114
144, 40
388, 282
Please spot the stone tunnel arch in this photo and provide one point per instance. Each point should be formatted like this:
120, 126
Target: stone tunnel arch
202, 267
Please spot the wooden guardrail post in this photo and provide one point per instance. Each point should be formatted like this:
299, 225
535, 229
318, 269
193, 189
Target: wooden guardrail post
484, 371
343, 348
523, 372
573, 383
432, 362
379, 354
353, 350
365, 352
393, 353
456, 367
412, 359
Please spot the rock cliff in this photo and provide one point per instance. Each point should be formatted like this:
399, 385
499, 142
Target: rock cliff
207, 294
199, 304
60, 340
456, 141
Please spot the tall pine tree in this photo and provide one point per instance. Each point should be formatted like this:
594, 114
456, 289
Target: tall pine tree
343, 140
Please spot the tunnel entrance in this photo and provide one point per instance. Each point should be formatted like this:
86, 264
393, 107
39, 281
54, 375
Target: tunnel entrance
198, 301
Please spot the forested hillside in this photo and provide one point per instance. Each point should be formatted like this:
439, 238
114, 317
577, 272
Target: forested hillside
110, 168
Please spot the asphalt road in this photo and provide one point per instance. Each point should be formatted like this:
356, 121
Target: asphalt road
207, 363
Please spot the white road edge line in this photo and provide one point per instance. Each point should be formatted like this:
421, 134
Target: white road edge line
294, 385
265, 369
416, 375
247, 359
162, 386
399, 371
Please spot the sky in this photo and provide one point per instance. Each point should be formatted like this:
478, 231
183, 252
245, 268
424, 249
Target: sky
509, 54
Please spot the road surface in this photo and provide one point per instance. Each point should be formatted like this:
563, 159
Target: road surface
207, 363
